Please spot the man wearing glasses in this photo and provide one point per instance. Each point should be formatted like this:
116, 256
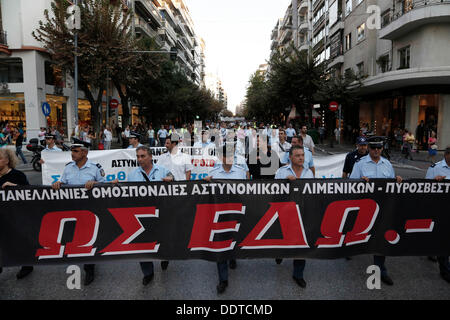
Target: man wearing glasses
82, 171
375, 166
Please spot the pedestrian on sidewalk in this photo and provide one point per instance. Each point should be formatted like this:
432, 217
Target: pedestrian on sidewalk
432, 147
151, 136
307, 140
107, 134
18, 137
408, 142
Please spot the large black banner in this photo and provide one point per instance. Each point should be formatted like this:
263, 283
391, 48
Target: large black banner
322, 219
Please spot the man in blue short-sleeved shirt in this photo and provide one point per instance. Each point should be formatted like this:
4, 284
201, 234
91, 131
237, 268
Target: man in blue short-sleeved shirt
308, 162
375, 166
147, 172
296, 170
226, 170
441, 171
82, 171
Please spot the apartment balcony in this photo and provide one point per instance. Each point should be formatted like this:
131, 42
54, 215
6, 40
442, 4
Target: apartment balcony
406, 77
151, 10
303, 8
286, 36
274, 34
303, 25
303, 46
316, 3
336, 62
413, 14
274, 45
142, 26
168, 31
337, 27
319, 22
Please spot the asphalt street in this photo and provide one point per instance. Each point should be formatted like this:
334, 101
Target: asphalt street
341, 279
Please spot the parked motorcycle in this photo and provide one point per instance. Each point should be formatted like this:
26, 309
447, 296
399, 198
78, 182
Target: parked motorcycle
35, 147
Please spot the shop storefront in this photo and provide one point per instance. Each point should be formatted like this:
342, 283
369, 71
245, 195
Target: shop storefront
382, 116
408, 110
12, 110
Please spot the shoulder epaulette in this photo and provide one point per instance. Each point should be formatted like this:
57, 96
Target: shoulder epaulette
68, 163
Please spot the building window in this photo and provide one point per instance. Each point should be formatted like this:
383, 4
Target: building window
11, 70
360, 68
404, 58
348, 42
361, 32
385, 18
383, 63
348, 7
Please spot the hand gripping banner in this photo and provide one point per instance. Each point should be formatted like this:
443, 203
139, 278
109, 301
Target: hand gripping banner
317, 219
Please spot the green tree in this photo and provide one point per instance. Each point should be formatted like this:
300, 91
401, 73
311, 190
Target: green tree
344, 90
257, 98
104, 45
294, 79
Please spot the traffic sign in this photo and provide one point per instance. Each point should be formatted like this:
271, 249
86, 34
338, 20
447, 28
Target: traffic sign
113, 104
46, 110
334, 106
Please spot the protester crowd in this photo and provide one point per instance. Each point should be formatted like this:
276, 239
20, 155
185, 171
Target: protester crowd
245, 150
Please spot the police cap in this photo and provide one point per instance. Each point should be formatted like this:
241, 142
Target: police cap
376, 142
135, 135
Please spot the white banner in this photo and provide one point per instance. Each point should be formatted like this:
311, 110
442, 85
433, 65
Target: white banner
119, 163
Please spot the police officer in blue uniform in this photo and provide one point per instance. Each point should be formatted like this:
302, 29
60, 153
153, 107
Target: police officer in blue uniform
134, 140
352, 157
370, 167
50, 145
308, 162
296, 170
441, 171
147, 172
227, 170
82, 171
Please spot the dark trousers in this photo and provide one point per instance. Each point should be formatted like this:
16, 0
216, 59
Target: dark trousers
162, 142
147, 268
444, 266
379, 261
19, 153
299, 267
222, 267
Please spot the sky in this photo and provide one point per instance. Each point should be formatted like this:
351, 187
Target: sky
237, 37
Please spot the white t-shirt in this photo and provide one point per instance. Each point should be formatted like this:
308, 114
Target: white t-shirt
151, 133
41, 135
281, 148
108, 135
308, 142
177, 164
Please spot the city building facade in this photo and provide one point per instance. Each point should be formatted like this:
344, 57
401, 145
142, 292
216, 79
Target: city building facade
28, 79
399, 48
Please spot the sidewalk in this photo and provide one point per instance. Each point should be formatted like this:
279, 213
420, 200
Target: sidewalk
420, 159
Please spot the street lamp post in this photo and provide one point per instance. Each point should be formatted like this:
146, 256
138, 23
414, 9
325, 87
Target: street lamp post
76, 72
